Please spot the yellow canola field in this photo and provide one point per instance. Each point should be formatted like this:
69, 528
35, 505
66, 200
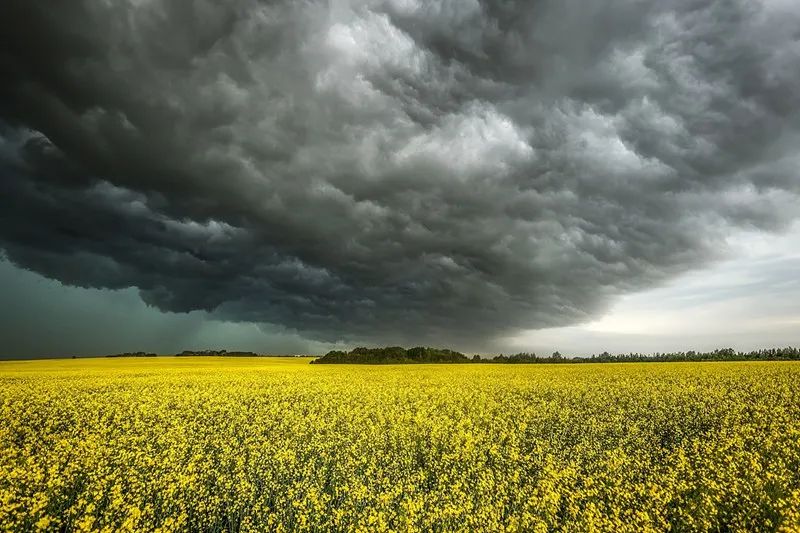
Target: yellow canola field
212, 444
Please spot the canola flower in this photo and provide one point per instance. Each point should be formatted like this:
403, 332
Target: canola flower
210, 444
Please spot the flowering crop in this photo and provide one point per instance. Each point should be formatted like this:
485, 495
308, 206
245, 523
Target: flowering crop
219, 444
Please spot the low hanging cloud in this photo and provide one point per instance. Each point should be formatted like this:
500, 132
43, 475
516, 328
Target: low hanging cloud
397, 170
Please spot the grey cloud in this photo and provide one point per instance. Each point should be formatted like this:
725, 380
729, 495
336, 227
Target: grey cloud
43, 318
395, 170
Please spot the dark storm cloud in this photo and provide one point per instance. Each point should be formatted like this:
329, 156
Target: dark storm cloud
393, 170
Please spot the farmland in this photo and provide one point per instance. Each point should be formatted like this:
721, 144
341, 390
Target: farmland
242, 444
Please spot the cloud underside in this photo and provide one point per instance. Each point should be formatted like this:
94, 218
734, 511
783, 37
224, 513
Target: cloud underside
395, 170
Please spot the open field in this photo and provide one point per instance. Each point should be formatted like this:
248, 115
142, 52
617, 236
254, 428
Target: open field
251, 444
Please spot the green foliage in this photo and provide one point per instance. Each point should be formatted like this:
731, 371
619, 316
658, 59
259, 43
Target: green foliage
724, 354
215, 353
393, 355
131, 354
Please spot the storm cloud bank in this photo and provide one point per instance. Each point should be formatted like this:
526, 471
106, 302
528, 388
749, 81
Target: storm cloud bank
397, 170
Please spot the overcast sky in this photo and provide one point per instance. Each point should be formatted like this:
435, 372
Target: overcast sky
492, 176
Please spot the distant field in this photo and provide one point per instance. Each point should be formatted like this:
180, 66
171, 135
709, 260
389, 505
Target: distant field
252, 444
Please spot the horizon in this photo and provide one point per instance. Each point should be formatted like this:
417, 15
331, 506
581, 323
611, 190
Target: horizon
221, 352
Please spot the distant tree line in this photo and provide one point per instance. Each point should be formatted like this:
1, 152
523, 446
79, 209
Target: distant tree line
524, 358
723, 354
215, 353
399, 355
422, 354
393, 355
132, 354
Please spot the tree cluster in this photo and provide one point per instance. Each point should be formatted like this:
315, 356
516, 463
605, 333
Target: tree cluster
393, 355
723, 354
133, 354
523, 358
215, 353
